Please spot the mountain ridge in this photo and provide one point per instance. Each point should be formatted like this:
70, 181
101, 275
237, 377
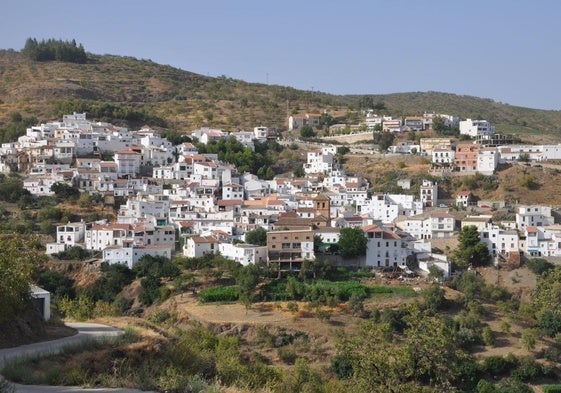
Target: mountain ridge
187, 100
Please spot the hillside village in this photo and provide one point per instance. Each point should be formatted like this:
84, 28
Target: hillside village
192, 203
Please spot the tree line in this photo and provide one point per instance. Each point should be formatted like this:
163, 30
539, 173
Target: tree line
51, 49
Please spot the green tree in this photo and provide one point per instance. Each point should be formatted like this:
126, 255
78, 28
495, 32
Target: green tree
529, 338
384, 140
539, 265
56, 283
17, 264
307, 132
257, 236
65, 192
546, 300
425, 355
470, 250
433, 297
247, 279
352, 242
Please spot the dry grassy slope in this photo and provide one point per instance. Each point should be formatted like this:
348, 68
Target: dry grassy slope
187, 100
184, 99
547, 189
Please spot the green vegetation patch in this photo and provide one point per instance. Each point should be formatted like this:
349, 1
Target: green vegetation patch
219, 294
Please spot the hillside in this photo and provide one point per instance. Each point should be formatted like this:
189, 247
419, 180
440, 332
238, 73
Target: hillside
161, 95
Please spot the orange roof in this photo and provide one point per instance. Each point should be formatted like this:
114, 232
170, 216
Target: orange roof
204, 239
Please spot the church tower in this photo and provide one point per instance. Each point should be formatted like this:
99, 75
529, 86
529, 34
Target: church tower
322, 211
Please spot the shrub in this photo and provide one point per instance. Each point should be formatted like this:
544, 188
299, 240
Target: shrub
287, 354
527, 370
528, 339
292, 307
487, 336
551, 388
550, 322
496, 365
342, 366
539, 265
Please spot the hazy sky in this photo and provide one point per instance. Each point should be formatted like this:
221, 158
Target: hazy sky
506, 50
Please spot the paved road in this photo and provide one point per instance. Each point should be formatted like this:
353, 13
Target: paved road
86, 331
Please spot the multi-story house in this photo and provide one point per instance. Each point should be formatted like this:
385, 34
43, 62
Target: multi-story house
414, 123
443, 156
260, 133
319, 161
533, 216
463, 199
429, 193
384, 248
232, 191
498, 240
442, 224
487, 160
244, 254
69, 235
393, 125
466, 157
474, 128
128, 162
287, 249
198, 246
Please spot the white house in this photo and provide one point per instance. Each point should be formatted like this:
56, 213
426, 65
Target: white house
487, 160
429, 193
128, 162
498, 240
442, 224
197, 246
533, 216
69, 235
385, 248
260, 133
474, 128
131, 254
319, 161
245, 254
463, 199
443, 156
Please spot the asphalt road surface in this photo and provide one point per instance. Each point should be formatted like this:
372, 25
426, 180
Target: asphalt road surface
86, 331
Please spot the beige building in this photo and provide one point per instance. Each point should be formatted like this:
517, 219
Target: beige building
288, 249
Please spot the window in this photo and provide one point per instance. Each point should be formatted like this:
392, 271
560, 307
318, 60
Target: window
285, 245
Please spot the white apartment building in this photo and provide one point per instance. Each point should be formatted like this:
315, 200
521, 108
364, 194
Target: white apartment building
385, 248
487, 160
474, 128
443, 156
442, 224
498, 240
128, 162
429, 193
245, 254
418, 226
319, 161
533, 216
